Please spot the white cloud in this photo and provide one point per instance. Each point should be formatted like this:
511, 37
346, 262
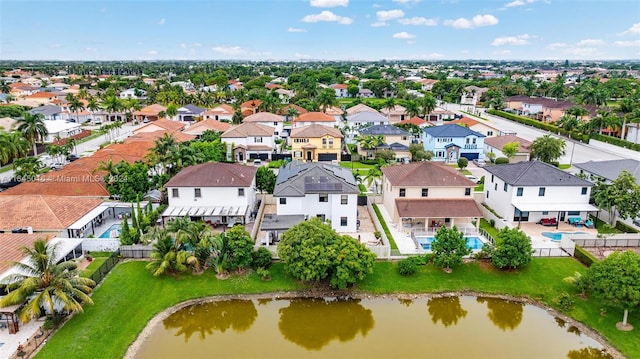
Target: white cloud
476, 21
557, 45
293, 29
406, 2
634, 29
161, 21
634, 43
152, 52
511, 40
379, 24
385, 15
519, 3
418, 21
327, 16
329, 3
301, 56
184, 45
590, 42
403, 35
91, 49
229, 50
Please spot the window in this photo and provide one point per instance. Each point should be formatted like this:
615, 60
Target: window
505, 187
487, 194
275, 124
541, 191
519, 191
257, 139
545, 213
403, 192
324, 197
491, 178
324, 141
584, 191
240, 192
343, 221
573, 213
344, 199
331, 141
321, 216
283, 201
489, 133
425, 192
495, 187
467, 191
174, 193
197, 193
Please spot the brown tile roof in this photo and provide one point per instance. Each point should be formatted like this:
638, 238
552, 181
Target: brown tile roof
43, 213
221, 109
251, 104
248, 129
314, 117
314, 131
11, 247
207, 125
169, 125
334, 111
360, 108
437, 207
499, 142
339, 86
397, 109
300, 109
214, 174
462, 121
42, 95
415, 121
263, 117
430, 174
154, 110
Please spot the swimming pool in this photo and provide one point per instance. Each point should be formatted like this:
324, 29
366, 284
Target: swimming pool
556, 236
472, 242
111, 232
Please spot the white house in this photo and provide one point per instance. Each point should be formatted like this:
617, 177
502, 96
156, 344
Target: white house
267, 119
530, 191
318, 190
471, 95
341, 90
249, 140
366, 119
222, 112
219, 193
133, 93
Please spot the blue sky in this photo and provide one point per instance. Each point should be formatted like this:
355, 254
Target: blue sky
320, 30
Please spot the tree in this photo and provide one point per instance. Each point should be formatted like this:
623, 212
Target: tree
313, 251
449, 246
417, 152
75, 105
46, 284
427, 105
239, 248
385, 155
112, 104
32, 128
511, 149
166, 256
327, 98
513, 249
128, 181
27, 168
619, 198
463, 163
547, 148
265, 179
616, 279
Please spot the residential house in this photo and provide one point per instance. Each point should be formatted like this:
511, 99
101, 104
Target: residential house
608, 171
315, 143
338, 113
250, 107
21, 90
366, 93
60, 129
187, 86
531, 191
149, 113
314, 118
222, 112
427, 84
267, 119
133, 93
162, 126
249, 141
474, 125
423, 196
633, 132
48, 112
217, 193
200, 127
190, 113
394, 139
471, 95
325, 191
495, 145
285, 95
396, 114
42, 98
360, 120
285, 110
449, 143
360, 108
341, 90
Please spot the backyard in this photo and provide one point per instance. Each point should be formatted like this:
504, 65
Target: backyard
129, 297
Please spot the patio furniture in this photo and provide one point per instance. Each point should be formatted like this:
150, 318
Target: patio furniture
588, 223
575, 221
548, 222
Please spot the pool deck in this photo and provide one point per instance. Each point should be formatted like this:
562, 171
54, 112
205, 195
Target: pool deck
535, 230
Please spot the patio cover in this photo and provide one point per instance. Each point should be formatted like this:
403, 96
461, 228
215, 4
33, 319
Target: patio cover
438, 207
206, 211
555, 207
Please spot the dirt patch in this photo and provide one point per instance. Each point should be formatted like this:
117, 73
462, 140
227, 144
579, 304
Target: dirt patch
603, 252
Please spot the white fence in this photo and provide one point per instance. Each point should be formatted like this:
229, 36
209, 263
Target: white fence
383, 251
488, 215
615, 240
99, 245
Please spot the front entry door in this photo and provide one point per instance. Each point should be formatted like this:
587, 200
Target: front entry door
308, 155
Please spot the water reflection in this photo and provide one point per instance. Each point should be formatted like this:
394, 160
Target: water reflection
589, 353
206, 318
314, 323
447, 310
504, 314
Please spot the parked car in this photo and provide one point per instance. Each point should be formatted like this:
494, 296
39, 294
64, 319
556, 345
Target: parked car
56, 166
479, 162
72, 157
473, 178
636, 222
257, 162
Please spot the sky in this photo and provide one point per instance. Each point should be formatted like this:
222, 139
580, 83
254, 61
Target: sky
320, 30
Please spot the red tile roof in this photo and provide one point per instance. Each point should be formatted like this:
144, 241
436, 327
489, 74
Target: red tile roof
499, 142
437, 207
207, 125
415, 121
214, 174
462, 121
428, 174
43, 213
263, 117
11, 247
314, 117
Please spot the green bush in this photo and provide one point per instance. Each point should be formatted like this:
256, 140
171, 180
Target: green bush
369, 162
555, 164
616, 141
583, 256
261, 258
623, 227
407, 267
501, 160
565, 302
263, 273
385, 228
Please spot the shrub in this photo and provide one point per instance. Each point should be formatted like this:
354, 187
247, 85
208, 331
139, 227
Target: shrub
583, 256
501, 160
492, 222
261, 258
407, 267
263, 273
565, 302
485, 253
623, 227
555, 163
513, 249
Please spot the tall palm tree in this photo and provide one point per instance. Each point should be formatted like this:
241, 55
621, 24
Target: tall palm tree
46, 284
427, 105
12, 146
83, 94
627, 105
389, 104
292, 113
327, 98
112, 104
412, 109
167, 257
93, 105
32, 128
75, 105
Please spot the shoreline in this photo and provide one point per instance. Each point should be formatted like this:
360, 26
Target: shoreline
144, 335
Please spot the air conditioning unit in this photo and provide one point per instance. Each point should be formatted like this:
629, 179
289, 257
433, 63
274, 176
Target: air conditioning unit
29, 230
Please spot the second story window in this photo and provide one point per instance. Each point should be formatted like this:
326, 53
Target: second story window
175, 193
323, 197
583, 191
197, 193
403, 192
541, 191
506, 186
467, 191
240, 192
519, 191
257, 139
425, 192
344, 199
283, 200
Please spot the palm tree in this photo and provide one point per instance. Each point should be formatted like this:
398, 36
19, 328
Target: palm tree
627, 105
292, 113
412, 108
32, 128
46, 284
75, 105
171, 111
112, 104
83, 94
389, 104
427, 105
167, 257
93, 105
327, 98
12, 146
4, 87
373, 174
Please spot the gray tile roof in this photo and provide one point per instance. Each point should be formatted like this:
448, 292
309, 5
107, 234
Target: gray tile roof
367, 116
298, 179
46, 110
610, 170
535, 173
384, 130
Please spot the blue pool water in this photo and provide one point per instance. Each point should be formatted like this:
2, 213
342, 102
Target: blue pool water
556, 236
111, 232
472, 242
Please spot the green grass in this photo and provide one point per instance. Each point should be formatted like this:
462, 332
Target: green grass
564, 166
392, 242
6, 168
604, 227
91, 268
356, 165
479, 188
129, 297
493, 232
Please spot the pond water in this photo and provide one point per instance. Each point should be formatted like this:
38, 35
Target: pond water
454, 327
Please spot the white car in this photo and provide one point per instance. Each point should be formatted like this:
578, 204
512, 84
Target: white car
479, 162
473, 178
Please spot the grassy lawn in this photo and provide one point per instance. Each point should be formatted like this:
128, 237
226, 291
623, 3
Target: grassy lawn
564, 166
604, 227
95, 264
356, 165
130, 296
392, 242
493, 232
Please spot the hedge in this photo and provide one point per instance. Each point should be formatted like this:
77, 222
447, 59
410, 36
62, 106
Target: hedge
616, 141
392, 242
584, 256
623, 227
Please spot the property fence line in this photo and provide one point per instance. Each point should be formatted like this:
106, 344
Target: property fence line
550, 252
99, 245
136, 251
258, 220
499, 222
486, 235
607, 242
386, 243
105, 268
